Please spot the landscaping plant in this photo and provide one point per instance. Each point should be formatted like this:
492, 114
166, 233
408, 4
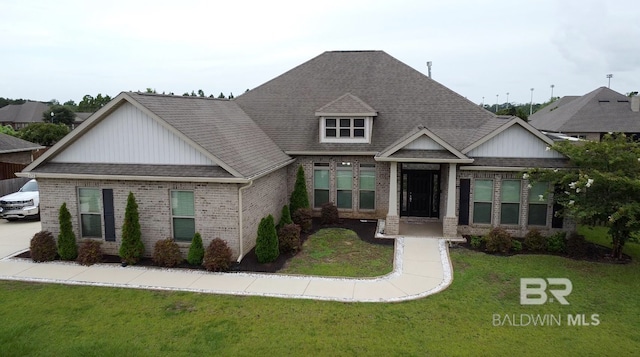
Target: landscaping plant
43, 247
196, 250
498, 240
302, 217
267, 242
289, 238
576, 245
556, 243
535, 241
89, 253
217, 256
299, 196
285, 217
329, 214
131, 248
166, 253
67, 249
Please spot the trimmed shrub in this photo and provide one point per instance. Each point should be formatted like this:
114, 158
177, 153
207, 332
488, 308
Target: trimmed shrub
43, 247
131, 248
476, 242
166, 253
196, 250
299, 196
267, 242
217, 257
557, 243
302, 217
90, 252
67, 249
516, 246
576, 245
535, 241
285, 217
498, 240
329, 214
289, 238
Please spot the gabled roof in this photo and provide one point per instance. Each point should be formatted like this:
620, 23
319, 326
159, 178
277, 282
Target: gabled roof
28, 112
217, 128
602, 110
404, 98
433, 150
9, 144
347, 104
506, 125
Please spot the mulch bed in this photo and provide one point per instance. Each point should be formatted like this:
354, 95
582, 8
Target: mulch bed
365, 229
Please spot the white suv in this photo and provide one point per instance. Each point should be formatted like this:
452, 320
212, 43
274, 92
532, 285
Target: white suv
22, 204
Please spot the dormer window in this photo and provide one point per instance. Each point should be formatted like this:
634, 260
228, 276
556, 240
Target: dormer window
346, 120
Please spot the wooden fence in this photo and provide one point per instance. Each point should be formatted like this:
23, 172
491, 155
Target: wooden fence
8, 170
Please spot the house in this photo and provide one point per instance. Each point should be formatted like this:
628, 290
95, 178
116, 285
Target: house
19, 116
15, 155
376, 137
590, 116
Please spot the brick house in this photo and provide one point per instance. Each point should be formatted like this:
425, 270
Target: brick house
374, 136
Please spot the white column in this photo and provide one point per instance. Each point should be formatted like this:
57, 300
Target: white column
451, 191
393, 189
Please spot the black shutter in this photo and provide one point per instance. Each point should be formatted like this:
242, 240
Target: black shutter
109, 218
556, 219
463, 211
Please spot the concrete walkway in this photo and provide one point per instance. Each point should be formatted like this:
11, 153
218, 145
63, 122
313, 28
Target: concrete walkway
421, 268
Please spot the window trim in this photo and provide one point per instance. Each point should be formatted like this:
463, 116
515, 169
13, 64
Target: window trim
490, 202
502, 202
352, 128
544, 202
99, 213
366, 168
344, 167
173, 217
321, 166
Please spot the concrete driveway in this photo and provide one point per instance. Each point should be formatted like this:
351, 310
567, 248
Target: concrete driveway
15, 236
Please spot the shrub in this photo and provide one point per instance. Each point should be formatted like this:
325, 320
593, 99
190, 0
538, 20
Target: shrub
90, 252
289, 238
285, 217
299, 196
557, 243
196, 250
267, 242
217, 256
535, 241
166, 253
302, 217
498, 240
576, 245
329, 214
516, 246
131, 248
67, 249
476, 241
43, 247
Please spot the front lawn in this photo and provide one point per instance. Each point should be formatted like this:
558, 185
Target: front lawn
48, 319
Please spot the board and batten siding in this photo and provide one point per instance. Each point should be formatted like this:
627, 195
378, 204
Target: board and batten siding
516, 141
129, 136
424, 143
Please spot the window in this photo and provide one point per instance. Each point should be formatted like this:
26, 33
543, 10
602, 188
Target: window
183, 215
90, 215
344, 179
510, 198
482, 201
354, 130
320, 184
538, 197
367, 186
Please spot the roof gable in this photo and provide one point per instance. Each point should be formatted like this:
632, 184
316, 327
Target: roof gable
423, 145
347, 104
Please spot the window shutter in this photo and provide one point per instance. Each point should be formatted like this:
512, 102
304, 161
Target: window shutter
109, 218
463, 211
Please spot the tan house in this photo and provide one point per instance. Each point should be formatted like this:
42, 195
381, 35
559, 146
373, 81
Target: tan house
376, 137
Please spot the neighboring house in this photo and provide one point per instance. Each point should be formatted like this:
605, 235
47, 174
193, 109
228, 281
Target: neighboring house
21, 115
376, 137
15, 155
80, 118
590, 116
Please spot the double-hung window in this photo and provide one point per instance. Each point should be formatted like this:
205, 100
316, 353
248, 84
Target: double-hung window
538, 198
90, 214
344, 185
510, 202
183, 215
367, 186
482, 201
320, 184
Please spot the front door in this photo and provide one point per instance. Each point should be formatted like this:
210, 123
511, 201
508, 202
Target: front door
421, 193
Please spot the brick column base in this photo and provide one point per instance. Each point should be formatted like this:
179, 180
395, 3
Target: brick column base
392, 225
450, 227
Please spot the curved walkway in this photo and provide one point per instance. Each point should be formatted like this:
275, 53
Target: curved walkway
421, 268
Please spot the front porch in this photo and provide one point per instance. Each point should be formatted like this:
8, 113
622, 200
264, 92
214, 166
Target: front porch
409, 228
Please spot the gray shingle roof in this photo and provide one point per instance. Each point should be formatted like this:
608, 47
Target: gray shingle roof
9, 144
403, 97
29, 112
347, 104
220, 127
134, 170
602, 110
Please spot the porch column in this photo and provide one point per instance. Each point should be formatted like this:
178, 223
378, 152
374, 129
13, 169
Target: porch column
450, 220
392, 222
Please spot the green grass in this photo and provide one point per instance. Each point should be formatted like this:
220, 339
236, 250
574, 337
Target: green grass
52, 320
339, 252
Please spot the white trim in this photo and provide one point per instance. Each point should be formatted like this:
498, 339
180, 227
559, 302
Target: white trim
506, 126
427, 160
351, 139
327, 114
331, 153
131, 177
22, 150
422, 131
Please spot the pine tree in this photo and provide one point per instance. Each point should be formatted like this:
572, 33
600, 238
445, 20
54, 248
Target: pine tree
267, 249
131, 248
196, 250
299, 197
285, 217
67, 249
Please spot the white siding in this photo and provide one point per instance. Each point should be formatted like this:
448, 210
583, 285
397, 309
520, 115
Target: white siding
514, 142
129, 136
424, 143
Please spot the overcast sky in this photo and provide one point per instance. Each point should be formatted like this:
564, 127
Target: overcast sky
65, 49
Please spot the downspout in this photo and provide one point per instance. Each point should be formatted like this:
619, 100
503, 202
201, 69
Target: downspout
240, 219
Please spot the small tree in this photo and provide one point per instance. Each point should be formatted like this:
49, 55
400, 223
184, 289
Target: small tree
67, 249
196, 250
285, 217
131, 248
299, 196
267, 249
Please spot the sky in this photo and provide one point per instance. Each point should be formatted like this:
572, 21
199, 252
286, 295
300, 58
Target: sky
483, 50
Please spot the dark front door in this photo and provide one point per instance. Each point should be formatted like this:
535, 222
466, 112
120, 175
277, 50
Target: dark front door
421, 195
